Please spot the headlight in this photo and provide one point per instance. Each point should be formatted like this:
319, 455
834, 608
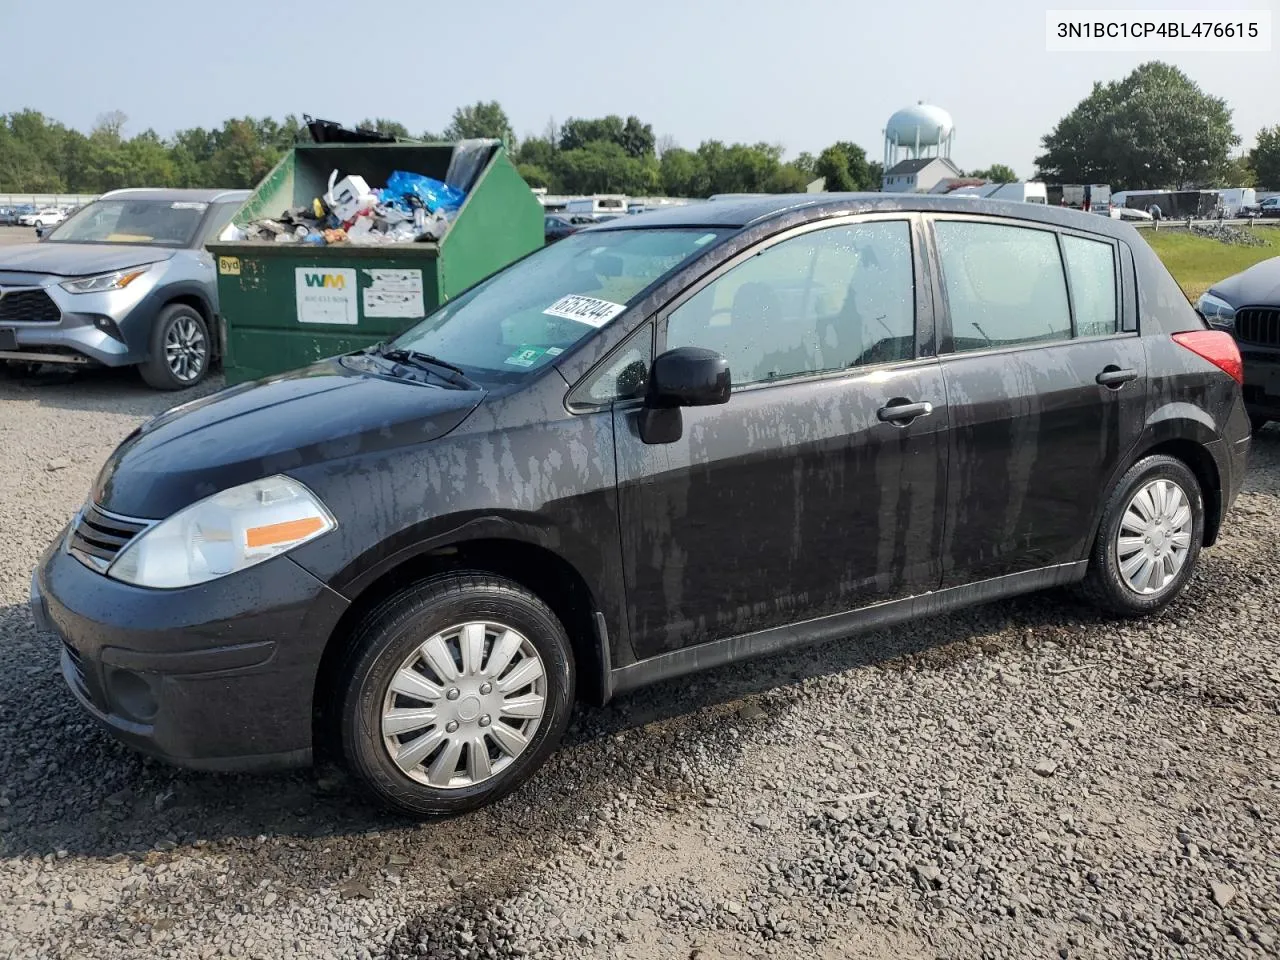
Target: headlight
1217, 311
106, 281
221, 534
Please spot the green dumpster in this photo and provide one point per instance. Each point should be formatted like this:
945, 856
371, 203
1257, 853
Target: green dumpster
285, 305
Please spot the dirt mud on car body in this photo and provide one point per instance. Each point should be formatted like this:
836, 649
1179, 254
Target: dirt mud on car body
1023, 778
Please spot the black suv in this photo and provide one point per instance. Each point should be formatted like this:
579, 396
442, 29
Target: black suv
662, 444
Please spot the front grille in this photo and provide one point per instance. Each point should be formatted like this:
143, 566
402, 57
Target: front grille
1260, 325
28, 306
97, 536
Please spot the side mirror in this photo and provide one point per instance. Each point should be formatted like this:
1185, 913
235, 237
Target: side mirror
688, 377
683, 377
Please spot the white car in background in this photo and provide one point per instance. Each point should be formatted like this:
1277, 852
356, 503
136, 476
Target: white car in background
1129, 213
42, 218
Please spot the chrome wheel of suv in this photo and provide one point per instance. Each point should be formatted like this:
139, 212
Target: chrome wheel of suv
464, 705
186, 350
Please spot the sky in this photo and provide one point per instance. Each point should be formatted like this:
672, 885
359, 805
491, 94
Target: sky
803, 73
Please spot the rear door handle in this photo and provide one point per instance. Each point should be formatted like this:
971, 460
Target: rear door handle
900, 411
1114, 376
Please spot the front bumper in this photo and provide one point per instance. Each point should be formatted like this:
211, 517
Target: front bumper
111, 328
219, 676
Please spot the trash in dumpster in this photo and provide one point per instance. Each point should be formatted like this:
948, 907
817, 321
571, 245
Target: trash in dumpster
411, 207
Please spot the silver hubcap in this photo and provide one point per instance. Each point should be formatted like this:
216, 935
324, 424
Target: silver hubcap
1155, 535
185, 349
464, 705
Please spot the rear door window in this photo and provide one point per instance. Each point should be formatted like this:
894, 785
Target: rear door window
1004, 285
1091, 266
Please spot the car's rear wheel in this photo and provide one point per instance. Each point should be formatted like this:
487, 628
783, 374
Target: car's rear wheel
455, 692
180, 349
1149, 539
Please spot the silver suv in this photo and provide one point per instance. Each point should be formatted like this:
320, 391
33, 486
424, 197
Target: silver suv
124, 281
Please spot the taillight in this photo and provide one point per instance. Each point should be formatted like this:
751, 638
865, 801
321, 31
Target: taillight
1217, 347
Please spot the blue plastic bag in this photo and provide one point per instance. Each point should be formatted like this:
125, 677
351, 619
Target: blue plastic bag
433, 194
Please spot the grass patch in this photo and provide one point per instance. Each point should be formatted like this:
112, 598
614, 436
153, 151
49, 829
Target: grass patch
1197, 263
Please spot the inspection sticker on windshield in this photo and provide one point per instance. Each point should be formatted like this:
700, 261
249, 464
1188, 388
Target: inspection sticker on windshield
525, 357
588, 310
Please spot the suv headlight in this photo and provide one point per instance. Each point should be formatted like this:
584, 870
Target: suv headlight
105, 281
1217, 311
221, 534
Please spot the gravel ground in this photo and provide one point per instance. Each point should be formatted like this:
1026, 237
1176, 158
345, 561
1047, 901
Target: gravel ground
1020, 780
10, 235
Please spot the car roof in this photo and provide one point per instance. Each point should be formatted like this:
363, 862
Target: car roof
748, 211
172, 193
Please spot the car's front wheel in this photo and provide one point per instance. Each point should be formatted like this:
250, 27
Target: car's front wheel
180, 349
1149, 539
456, 690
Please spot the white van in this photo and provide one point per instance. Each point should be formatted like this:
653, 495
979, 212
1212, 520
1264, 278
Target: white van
614, 204
1018, 192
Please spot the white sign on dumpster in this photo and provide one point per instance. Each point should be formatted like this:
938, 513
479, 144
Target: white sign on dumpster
394, 293
327, 295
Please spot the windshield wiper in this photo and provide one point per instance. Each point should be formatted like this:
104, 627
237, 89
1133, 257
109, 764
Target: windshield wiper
425, 361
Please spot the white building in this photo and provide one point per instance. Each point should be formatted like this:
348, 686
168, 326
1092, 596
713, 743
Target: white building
918, 175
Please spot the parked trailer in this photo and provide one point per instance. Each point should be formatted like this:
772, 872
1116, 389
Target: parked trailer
1094, 197
1173, 204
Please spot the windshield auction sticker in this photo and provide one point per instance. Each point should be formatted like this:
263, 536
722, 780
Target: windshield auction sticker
588, 310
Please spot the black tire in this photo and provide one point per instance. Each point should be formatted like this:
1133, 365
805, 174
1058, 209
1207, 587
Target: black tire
1257, 422
392, 631
1104, 585
156, 370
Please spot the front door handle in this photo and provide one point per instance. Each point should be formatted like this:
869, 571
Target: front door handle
1113, 376
901, 411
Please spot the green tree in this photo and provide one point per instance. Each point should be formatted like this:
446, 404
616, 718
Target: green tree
845, 167
382, 125
604, 167
1264, 158
240, 157
996, 173
534, 175
481, 119
637, 138
1155, 128
833, 166
875, 175
537, 152
576, 133
805, 163
684, 173
788, 178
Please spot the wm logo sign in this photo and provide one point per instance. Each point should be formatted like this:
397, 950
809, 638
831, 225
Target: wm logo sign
332, 281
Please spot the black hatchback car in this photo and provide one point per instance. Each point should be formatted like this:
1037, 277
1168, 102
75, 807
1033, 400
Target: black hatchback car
665, 443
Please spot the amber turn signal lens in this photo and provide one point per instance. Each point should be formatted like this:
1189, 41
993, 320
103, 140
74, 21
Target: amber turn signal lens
274, 534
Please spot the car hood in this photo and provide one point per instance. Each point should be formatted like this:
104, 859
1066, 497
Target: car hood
78, 259
320, 413
1257, 286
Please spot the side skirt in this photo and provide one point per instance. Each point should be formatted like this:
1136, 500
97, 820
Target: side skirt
704, 656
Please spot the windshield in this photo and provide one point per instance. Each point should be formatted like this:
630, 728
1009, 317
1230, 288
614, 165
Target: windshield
162, 223
525, 316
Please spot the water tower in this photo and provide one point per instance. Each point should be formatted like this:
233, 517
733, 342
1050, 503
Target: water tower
920, 131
